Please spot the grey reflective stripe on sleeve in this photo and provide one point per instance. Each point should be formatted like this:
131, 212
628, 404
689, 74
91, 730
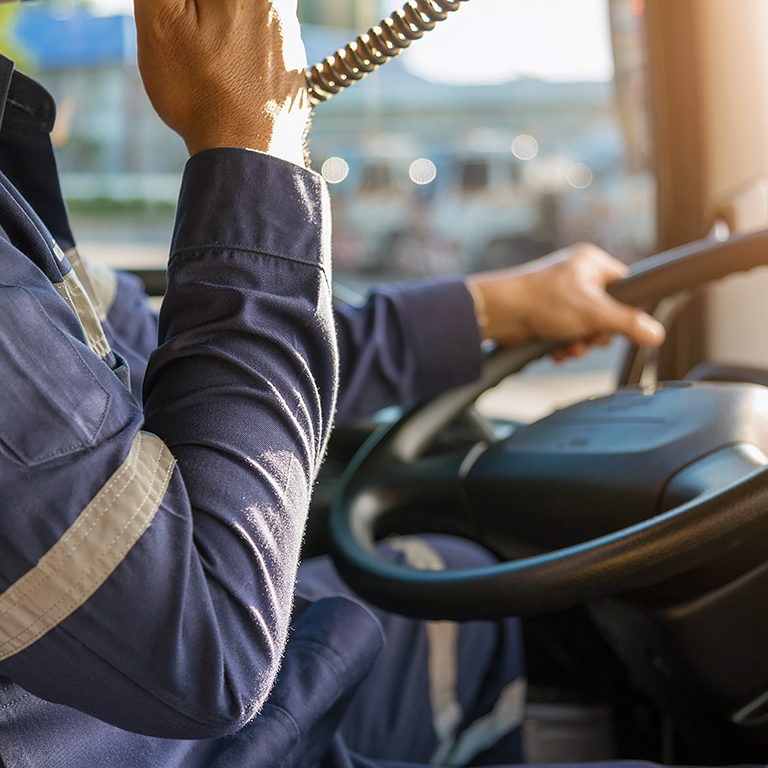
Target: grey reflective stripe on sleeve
76, 262
104, 283
72, 291
90, 549
99, 281
443, 659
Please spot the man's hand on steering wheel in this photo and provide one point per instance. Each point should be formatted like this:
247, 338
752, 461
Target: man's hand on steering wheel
560, 297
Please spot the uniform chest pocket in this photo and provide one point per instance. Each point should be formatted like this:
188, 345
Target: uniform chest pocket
51, 403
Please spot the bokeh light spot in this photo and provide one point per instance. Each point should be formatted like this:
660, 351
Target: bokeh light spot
422, 171
335, 170
525, 147
579, 176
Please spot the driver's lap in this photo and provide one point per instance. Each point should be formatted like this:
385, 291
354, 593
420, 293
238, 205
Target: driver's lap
433, 680
392, 722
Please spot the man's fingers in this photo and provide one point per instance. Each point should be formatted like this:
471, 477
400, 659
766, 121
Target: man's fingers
601, 339
608, 268
636, 325
574, 349
612, 269
646, 330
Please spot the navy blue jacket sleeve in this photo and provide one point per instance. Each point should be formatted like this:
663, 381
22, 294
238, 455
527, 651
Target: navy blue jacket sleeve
408, 342
178, 633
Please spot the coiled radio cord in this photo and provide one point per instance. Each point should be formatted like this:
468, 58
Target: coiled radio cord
374, 47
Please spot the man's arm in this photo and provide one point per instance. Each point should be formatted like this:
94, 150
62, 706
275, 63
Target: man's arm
149, 559
184, 638
414, 340
560, 297
407, 343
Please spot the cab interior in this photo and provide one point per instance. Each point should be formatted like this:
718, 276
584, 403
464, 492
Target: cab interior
671, 667
673, 670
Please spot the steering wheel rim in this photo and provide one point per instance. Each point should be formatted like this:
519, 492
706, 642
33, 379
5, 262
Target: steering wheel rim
637, 556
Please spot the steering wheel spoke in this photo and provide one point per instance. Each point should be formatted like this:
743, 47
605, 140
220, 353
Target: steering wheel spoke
406, 497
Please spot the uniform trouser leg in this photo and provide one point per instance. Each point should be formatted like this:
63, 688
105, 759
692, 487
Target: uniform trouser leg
440, 691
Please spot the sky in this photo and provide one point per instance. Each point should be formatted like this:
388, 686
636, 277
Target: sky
499, 40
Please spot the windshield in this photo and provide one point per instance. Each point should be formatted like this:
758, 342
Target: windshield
511, 130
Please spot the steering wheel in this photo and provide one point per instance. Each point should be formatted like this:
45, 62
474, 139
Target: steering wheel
392, 483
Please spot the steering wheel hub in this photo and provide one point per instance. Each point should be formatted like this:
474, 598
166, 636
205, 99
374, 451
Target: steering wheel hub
629, 491
608, 463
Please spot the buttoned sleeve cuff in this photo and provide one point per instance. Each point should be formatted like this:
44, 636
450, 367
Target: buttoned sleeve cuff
218, 206
441, 321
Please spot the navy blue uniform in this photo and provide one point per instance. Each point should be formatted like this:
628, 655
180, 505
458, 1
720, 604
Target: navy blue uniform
148, 554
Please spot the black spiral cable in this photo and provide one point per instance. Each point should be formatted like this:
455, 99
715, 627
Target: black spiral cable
379, 44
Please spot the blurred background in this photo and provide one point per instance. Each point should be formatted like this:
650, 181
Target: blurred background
512, 129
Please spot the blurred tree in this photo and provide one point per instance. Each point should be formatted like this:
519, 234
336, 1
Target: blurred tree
9, 45
348, 14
